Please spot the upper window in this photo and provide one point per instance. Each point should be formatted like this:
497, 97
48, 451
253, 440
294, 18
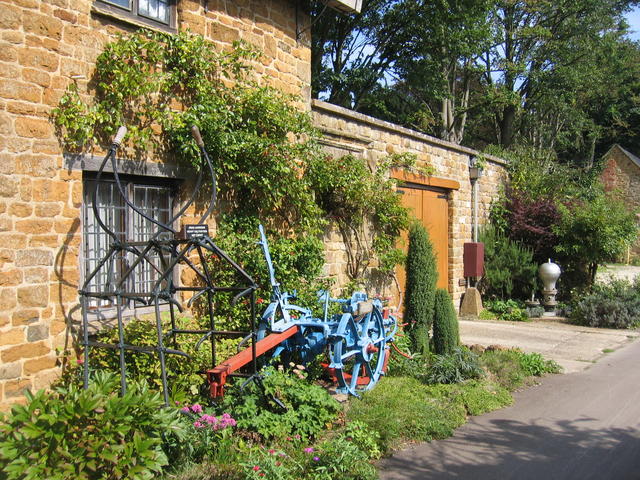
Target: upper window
155, 199
152, 12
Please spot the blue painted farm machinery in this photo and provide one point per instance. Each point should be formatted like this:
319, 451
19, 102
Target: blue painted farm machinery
356, 340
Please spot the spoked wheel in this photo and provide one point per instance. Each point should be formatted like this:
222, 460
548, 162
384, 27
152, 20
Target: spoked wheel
359, 353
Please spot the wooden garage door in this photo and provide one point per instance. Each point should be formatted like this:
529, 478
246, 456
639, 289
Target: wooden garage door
431, 207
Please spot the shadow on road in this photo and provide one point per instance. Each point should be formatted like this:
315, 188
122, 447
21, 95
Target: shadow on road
507, 449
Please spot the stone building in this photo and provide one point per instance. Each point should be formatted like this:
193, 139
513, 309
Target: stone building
621, 176
46, 235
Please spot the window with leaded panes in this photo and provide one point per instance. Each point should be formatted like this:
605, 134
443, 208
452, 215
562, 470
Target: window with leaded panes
155, 200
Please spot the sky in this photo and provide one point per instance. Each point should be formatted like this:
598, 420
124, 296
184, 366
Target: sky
633, 18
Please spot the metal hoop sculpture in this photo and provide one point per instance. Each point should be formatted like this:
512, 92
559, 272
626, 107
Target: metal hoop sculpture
173, 248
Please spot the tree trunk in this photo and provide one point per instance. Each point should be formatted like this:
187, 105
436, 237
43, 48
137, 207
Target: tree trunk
507, 125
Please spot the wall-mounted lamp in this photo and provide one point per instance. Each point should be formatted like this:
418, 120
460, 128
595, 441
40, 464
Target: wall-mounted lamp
475, 172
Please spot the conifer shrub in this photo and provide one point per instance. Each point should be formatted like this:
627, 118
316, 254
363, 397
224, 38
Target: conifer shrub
422, 275
509, 267
445, 324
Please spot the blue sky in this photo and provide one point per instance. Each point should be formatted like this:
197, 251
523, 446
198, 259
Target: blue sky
633, 18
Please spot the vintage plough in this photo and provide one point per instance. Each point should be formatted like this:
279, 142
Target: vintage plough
356, 340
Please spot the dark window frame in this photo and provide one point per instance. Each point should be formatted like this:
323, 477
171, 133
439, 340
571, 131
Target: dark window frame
132, 14
129, 224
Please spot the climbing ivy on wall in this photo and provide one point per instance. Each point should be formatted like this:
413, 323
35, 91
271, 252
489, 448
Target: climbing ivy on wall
268, 161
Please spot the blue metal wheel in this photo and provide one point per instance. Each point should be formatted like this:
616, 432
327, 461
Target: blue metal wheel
359, 352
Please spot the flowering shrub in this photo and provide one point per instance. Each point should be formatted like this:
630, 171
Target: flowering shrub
335, 458
206, 433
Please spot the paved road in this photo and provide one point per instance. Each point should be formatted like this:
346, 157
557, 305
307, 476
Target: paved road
573, 347
583, 425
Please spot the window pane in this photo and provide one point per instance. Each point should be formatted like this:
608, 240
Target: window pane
129, 226
97, 242
155, 9
154, 202
121, 3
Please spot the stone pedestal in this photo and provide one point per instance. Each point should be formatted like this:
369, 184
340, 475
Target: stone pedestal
471, 302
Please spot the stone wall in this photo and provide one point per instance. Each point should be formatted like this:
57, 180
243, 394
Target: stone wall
43, 44
348, 132
621, 177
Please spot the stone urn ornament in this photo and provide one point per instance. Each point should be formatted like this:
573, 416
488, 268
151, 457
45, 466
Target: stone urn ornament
549, 273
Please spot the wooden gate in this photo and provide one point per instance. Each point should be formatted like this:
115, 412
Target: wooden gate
430, 206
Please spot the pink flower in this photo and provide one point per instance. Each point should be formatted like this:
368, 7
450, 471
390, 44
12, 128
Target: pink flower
308, 450
316, 459
210, 419
185, 410
197, 408
197, 424
272, 451
256, 468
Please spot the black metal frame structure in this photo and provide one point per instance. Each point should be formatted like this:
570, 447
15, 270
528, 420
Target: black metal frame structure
174, 249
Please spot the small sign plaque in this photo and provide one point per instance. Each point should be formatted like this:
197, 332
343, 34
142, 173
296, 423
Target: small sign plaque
194, 231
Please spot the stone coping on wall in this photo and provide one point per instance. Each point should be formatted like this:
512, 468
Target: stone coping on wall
91, 163
392, 127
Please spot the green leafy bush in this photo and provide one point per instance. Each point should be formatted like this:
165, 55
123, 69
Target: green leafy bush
281, 405
445, 324
612, 305
512, 368
594, 231
88, 434
364, 438
422, 275
534, 364
459, 365
507, 310
184, 379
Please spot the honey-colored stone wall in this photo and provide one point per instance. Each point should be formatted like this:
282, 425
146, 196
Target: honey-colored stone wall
43, 44
348, 132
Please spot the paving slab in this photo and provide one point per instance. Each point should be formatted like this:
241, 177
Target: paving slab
574, 347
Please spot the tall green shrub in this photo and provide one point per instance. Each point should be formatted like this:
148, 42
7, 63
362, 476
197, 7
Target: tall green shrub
422, 275
509, 268
445, 324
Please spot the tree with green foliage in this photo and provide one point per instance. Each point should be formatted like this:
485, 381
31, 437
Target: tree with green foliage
594, 232
440, 48
546, 56
445, 324
422, 275
351, 54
